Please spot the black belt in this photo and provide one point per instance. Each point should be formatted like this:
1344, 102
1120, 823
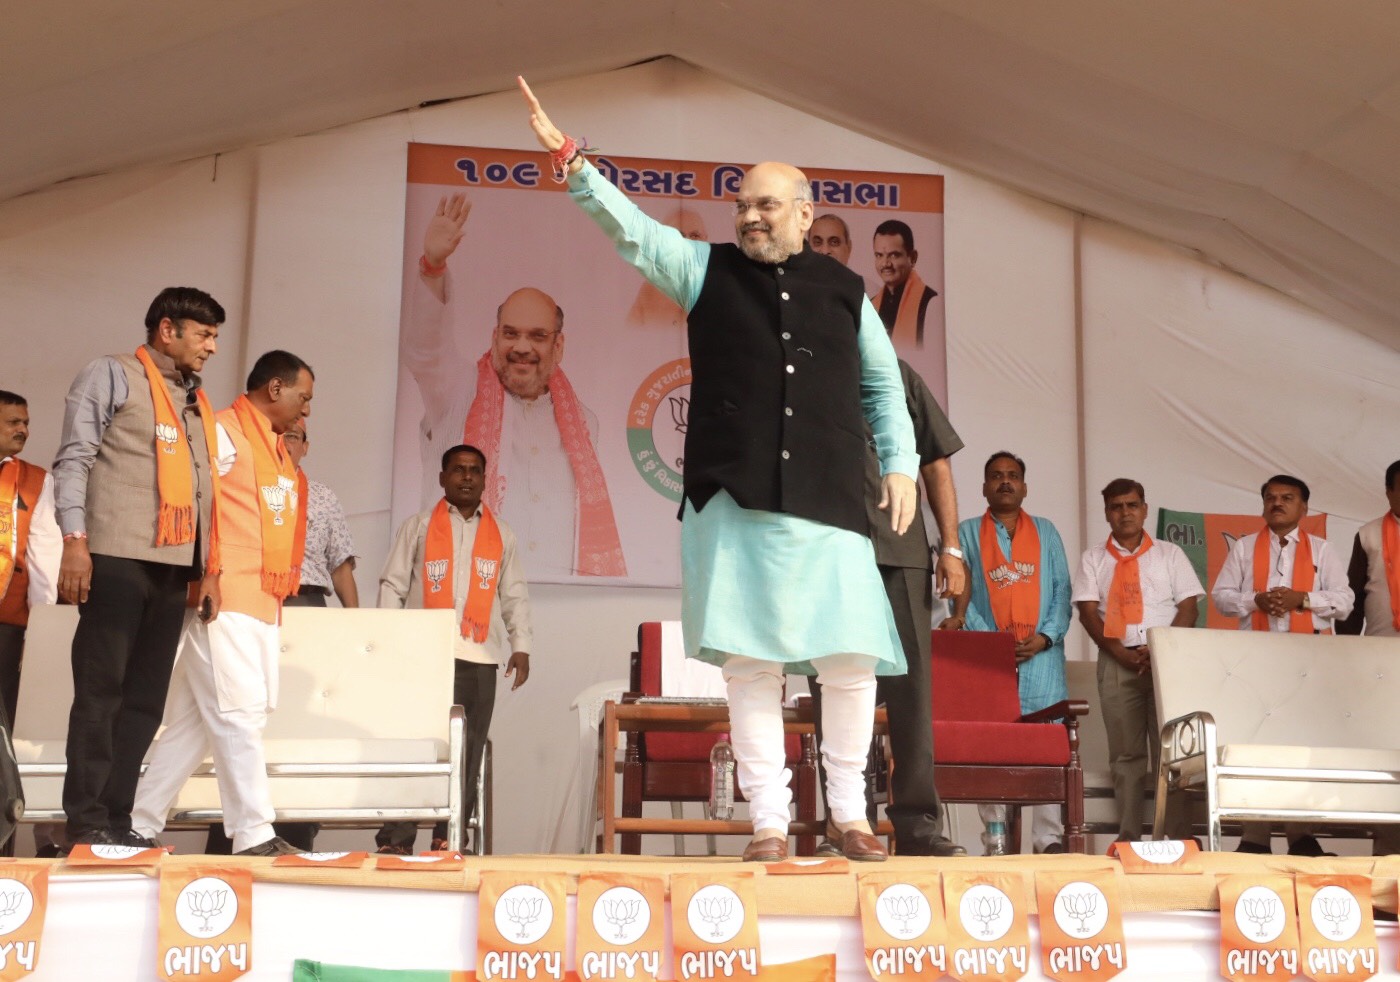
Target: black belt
307, 589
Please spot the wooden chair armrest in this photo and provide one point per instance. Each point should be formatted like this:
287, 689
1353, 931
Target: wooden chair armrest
630, 697
1067, 708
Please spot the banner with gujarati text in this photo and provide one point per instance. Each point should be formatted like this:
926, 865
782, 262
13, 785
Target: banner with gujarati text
988, 926
205, 929
621, 931
24, 903
1206, 539
714, 926
1337, 935
1258, 927
524, 333
521, 927
901, 922
1081, 925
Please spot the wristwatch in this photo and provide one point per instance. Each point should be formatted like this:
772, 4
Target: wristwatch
1307, 602
953, 551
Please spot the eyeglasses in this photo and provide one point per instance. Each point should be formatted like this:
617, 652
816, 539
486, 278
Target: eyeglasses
764, 206
538, 336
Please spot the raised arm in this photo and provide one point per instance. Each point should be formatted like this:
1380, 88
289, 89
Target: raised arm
427, 342
674, 264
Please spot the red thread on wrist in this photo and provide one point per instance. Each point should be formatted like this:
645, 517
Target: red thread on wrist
428, 269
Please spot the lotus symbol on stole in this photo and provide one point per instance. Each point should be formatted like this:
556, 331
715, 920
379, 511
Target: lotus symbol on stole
276, 498
167, 434
437, 569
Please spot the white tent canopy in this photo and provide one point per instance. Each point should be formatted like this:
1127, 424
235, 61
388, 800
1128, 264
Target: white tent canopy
1263, 133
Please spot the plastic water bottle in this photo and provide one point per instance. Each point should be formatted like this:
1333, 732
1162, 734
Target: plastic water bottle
994, 839
721, 804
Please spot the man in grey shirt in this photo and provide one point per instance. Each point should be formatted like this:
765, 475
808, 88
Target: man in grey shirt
134, 496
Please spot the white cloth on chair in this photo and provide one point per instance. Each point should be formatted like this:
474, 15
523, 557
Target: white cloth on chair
683, 677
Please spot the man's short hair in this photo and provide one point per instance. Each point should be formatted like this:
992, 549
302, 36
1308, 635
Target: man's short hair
1120, 486
277, 364
1287, 480
1009, 456
8, 398
461, 448
893, 226
182, 303
1392, 473
832, 217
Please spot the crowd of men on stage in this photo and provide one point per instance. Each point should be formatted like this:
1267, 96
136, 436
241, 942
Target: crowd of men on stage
177, 528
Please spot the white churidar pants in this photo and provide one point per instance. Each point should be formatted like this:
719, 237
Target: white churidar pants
223, 686
755, 689
1046, 826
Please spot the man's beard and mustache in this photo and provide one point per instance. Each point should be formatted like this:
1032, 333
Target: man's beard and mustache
771, 250
528, 387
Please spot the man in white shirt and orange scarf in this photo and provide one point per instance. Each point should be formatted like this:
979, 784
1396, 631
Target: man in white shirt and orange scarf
225, 680
1126, 585
134, 492
904, 299
459, 555
1018, 582
1283, 579
515, 403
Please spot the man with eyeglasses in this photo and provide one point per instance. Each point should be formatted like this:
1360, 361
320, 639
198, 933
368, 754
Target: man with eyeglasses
1283, 579
788, 361
518, 406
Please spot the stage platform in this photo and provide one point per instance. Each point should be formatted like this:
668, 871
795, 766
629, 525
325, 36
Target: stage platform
102, 925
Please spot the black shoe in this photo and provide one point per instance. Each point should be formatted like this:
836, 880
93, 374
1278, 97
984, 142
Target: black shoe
939, 845
49, 850
829, 848
1053, 849
134, 840
1253, 847
89, 837
1307, 846
276, 846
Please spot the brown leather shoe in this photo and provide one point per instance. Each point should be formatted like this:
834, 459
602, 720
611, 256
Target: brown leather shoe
862, 847
773, 849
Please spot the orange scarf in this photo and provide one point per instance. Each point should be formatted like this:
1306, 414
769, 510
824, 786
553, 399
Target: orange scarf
281, 488
1124, 605
1014, 587
599, 549
1299, 621
486, 570
12, 539
175, 470
1390, 555
907, 332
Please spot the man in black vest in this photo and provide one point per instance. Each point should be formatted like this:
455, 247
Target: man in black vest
788, 362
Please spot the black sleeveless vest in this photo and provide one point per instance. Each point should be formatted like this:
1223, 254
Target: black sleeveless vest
775, 412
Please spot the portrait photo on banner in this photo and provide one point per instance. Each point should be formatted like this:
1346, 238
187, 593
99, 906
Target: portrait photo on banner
524, 334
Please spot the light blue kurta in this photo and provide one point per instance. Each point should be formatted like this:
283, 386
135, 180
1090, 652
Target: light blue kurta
1042, 678
764, 584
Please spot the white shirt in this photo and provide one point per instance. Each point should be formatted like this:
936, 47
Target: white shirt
540, 496
1164, 573
1330, 598
401, 584
44, 549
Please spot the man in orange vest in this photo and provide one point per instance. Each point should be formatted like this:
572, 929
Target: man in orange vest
225, 678
30, 543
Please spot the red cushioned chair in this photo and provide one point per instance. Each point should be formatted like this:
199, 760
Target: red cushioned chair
985, 750
675, 767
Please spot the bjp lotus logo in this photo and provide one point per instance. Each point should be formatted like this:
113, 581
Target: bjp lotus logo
485, 571
523, 913
903, 911
986, 912
166, 435
16, 904
436, 570
206, 907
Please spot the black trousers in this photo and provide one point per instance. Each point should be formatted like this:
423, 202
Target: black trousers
123, 651
474, 689
11, 654
300, 834
917, 814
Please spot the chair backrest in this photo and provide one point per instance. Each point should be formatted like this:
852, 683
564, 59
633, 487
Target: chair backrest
974, 677
1273, 688
663, 670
